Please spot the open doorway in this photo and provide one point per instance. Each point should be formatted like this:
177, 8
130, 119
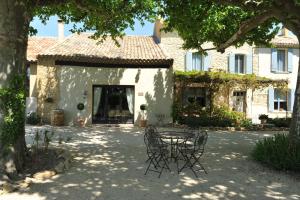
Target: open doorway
113, 104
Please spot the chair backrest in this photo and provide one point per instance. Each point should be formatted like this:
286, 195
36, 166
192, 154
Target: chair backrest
151, 129
151, 138
200, 141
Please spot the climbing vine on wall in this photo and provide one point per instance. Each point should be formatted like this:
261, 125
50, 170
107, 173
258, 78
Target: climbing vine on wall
223, 79
12, 104
217, 83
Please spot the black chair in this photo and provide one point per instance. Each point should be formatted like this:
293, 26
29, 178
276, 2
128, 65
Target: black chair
192, 153
157, 152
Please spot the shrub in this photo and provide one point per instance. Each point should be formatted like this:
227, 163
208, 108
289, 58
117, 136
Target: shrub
276, 152
32, 119
220, 117
280, 122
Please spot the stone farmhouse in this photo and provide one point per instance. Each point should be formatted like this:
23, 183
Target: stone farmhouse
111, 82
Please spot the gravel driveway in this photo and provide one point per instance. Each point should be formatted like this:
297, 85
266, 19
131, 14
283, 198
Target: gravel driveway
109, 163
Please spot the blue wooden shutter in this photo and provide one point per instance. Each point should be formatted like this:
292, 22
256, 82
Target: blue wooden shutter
291, 98
249, 63
207, 62
231, 62
274, 67
290, 60
271, 99
188, 61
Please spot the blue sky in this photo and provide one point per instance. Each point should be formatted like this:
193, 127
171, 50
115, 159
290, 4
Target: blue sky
50, 29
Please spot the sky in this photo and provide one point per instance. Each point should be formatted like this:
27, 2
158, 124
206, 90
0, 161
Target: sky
50, 29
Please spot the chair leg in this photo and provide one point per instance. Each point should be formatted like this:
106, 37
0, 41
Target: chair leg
197, 161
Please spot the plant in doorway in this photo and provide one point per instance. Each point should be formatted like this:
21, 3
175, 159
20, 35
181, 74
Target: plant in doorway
143, 121
80, 119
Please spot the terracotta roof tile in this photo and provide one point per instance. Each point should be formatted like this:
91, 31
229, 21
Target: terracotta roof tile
38, 44
285, 41
132, 49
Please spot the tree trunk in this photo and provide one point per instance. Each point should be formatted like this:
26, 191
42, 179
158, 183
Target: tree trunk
14, 26
294, 133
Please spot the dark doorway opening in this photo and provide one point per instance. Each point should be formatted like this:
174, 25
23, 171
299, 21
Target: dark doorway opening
113, 104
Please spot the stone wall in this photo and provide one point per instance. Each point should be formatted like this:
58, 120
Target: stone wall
47, 84
172, 45
32, 84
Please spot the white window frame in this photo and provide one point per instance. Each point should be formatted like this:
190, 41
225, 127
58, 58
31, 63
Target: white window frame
278, 100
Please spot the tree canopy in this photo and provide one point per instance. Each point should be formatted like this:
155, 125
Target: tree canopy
230, 22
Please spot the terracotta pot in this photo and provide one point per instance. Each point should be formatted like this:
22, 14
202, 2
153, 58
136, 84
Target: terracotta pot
143, 123
80, 122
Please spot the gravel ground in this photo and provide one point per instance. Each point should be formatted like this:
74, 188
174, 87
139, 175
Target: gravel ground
109, 163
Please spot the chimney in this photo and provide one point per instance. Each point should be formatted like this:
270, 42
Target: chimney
60, 29
158, 25
285, 32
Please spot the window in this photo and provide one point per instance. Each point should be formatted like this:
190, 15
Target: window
239, 66
195, 96
197, 61
280, 100
281, 61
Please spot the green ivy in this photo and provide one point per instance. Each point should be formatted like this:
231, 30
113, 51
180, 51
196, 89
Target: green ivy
220, 79
12, 102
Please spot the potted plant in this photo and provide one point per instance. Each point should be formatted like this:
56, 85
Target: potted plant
143, 121
80, 120
263, 118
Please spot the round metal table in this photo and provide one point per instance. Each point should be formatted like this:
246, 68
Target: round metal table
175, 137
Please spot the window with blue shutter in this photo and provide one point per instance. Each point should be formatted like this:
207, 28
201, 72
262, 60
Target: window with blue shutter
249, 63
207, 62
239, 64
280, 100
197, 61
274, 60
231, 63
291, 98
188, 61
290, 60
271, 100
281, 60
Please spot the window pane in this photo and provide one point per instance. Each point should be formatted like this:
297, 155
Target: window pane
276, 105
200, 101
195, 95
281, 60
278, 94
196, 62
239, 64
283, 106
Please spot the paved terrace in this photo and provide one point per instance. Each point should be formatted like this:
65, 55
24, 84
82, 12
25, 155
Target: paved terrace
110, 164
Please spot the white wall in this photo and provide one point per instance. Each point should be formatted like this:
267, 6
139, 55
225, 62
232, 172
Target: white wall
153, 87
260, 103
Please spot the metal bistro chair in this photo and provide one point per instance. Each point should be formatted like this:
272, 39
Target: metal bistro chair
193, 153
152, 130
156, 151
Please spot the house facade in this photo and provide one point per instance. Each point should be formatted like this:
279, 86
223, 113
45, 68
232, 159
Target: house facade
112, 82
108, 81
277, 63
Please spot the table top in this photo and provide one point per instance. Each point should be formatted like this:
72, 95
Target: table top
175, 134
